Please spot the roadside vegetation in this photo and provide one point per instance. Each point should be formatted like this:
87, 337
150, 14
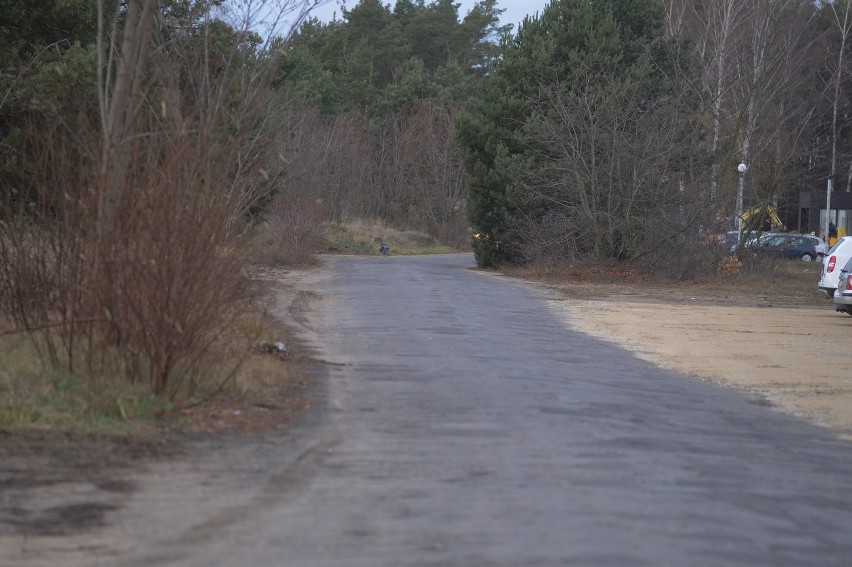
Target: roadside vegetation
766, 282
613, 130
140, 144
156, 155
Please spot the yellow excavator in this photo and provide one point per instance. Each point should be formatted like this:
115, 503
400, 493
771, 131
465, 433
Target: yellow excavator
762, 218
765, 219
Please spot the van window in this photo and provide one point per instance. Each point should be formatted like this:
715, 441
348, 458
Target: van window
848, 266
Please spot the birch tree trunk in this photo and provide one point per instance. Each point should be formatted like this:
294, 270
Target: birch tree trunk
120, 77
721, 23
119, 101
844, 26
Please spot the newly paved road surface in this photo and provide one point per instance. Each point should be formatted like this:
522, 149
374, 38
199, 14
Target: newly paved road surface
470, 427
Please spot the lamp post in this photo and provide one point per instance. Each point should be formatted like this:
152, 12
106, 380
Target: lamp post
825, 235
741, 168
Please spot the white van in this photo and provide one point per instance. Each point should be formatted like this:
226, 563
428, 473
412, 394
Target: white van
833, 262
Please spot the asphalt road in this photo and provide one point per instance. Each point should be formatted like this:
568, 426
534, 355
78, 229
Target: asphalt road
468, 426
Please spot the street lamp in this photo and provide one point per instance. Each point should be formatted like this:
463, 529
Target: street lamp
741, 168
825, 234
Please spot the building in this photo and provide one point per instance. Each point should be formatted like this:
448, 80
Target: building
812, 210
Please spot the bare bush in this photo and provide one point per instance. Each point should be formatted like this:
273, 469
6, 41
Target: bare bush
133, 270
175, 278
405, 169
429, 165
614, 178
295, 229
549, 242
46, 251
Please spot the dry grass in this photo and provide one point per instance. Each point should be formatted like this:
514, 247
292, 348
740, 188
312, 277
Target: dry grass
363, 236
269, 388
35, 395
246, 385
761, 281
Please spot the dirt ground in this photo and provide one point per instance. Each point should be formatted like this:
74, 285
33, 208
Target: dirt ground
775, 338
59, 491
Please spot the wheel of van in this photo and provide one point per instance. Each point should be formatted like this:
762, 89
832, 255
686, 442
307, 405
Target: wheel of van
806, 257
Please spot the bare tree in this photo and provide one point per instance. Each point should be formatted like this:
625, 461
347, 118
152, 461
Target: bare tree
134, 269
676, 14
405, 169
720, 21
121, 76
756, 57
842, 20
608, 184
436, 178
769, 68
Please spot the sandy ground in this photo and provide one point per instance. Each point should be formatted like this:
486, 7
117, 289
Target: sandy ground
793, 358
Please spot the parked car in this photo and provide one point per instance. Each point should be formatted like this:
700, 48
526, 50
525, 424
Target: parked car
835, 260
750, 239
782, 244
843, 295
789, 246
755, 241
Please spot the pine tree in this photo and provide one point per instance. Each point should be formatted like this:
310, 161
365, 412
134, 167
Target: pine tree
570, 40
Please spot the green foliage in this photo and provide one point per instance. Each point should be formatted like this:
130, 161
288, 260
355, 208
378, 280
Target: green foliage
375, 60
27, 28
59, 85
412, 85
47, 70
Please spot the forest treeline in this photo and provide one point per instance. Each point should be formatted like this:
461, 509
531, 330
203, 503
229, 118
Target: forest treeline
596, 128
376, 94
144, 143
603, 129
613, 129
